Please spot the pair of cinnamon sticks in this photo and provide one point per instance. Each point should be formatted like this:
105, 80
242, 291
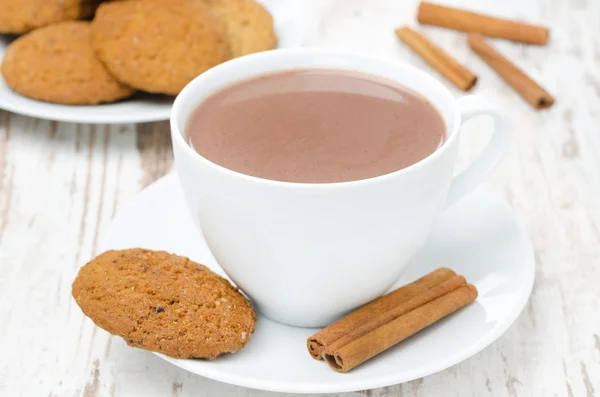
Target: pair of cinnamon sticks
478, 25
390, 319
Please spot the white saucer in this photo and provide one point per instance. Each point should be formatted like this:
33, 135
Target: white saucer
479, 237
141, 107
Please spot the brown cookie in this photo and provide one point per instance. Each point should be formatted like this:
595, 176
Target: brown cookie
164, 303
20, 16
248, 24
158, 45
56, 63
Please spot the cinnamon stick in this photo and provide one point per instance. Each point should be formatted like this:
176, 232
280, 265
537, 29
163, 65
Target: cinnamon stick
459, 75
369, 345
471, 22
319, 341
532, 92
396, 312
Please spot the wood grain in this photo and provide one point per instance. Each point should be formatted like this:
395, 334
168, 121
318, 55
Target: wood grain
154, 146
61, 184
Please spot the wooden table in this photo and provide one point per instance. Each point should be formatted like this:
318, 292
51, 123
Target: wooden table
61, 184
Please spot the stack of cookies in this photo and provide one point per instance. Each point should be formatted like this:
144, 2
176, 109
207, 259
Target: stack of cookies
156, 46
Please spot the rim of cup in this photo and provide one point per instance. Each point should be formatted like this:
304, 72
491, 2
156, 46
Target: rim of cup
189, 90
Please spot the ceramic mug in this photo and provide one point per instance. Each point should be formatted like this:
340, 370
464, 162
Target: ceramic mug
308, 253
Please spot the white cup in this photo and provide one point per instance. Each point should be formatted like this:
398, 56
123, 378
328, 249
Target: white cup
308, 253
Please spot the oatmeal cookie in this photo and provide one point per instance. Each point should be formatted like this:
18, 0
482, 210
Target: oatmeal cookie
158, 45
56, 63
20, 16
248, 24
165, 303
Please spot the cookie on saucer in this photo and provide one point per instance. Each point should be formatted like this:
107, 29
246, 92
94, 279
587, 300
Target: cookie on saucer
56, 63
248, 24
164, 303
20, 16
158, 45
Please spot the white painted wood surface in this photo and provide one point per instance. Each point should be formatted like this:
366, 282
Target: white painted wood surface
61, 184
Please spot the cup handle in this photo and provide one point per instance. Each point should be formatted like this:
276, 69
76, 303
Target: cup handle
469, 107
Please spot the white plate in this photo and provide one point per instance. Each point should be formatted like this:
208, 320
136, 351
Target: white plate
479, 237
140, 107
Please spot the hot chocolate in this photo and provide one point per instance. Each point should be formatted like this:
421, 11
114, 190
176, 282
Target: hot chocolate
315, 126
